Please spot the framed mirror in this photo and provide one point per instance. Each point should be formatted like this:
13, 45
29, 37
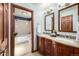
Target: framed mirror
49, 22
68, 19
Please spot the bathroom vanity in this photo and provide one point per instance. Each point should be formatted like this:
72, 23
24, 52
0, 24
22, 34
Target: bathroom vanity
57, 46
67, 25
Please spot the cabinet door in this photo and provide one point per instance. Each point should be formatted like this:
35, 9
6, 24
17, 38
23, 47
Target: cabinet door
64, 50
67, 50
59, 49
41, 45
53, 49
48, 46
76, 51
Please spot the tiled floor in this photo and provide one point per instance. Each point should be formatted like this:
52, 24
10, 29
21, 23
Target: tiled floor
24, 49
23, 45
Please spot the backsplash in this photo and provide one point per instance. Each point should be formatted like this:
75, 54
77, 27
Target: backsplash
68, 36
64, 34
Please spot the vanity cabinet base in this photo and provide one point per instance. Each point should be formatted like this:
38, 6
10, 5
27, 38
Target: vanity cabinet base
41, 45
64, 50
76, 51
49, 47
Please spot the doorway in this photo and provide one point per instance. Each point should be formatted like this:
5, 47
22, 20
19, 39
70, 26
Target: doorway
17, 34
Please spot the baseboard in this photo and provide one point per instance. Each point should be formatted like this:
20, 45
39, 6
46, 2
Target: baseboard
34, 50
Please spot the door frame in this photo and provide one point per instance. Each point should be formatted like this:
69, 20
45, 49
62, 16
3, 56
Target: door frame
12, 28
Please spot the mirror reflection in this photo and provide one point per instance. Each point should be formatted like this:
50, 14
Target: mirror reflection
49, 22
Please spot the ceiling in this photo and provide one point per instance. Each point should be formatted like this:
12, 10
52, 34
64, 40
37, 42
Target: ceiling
22, 13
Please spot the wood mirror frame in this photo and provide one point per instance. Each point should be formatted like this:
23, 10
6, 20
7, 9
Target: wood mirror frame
52, 25
67, 15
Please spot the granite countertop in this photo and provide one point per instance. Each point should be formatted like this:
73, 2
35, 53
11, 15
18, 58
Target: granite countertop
66, 41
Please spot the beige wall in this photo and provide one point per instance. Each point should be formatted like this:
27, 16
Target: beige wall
22, 27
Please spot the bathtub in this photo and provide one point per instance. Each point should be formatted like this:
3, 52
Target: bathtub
22, 39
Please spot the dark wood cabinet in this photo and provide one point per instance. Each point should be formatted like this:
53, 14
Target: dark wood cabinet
48, 46
76, 51
51, 48
64, 50
59, 49
41, 45
67, 50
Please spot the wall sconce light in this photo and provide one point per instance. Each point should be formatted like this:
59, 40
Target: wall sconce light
67, 4
51, 10
48, 11
63, 4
